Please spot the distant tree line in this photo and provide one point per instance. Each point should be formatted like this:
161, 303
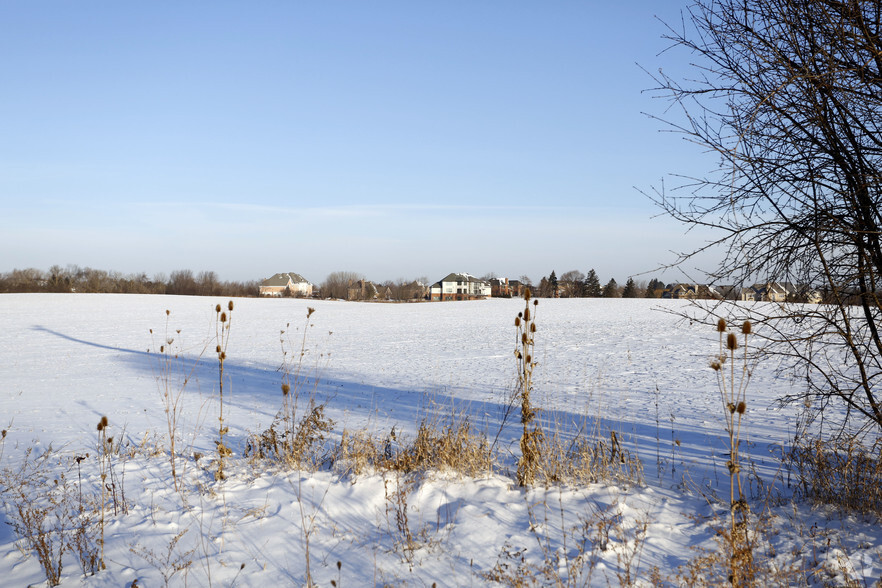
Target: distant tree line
575, 284
85, 279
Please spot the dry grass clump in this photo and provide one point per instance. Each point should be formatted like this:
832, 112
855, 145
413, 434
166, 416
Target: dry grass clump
307, 445
587, 459
454, 447
844, 472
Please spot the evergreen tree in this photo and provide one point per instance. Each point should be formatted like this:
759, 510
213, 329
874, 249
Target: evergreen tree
592, 285
552, 283
611, 290
630, 290
543, 289
654, 285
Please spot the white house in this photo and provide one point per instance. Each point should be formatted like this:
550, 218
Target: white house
459, 287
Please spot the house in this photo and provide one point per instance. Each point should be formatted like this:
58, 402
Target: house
361, 290
689, 291
288, 284
459, 287
694, 291
768, 292
500, 288
415, 290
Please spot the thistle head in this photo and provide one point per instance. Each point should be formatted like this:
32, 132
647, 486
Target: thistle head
731, 342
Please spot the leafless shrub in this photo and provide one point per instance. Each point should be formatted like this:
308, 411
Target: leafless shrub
844, 472
49, 514
170, 563
172, 377
407, 536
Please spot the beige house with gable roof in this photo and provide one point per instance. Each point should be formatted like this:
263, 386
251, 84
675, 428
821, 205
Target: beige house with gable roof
288, 284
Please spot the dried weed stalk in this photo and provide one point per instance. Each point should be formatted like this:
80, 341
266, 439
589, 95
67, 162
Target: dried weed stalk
222, 325
531, 438
732, 394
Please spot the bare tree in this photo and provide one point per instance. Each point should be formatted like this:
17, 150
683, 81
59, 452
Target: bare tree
571, 284
789, 95
336, 285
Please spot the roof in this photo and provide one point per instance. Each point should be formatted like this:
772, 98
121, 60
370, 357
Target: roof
282, 279
461, 277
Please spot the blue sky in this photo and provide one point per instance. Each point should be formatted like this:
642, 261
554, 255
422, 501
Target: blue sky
394, 139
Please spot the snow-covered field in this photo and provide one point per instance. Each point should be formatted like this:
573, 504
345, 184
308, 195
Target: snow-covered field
68, 360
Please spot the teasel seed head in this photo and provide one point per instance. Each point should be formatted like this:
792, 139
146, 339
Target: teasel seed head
527, 314
746, 328
230, 306
223, 355
536, 302
526, 294
715, 365
732, 342
523, 338
162, 348
529, 359
286, 388
223, 317
741, 408
167, 312
731, 408
217, 308
517, 321
721, 325
104, 422
532, 327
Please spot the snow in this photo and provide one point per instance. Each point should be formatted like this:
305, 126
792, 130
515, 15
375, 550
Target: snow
628, 365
